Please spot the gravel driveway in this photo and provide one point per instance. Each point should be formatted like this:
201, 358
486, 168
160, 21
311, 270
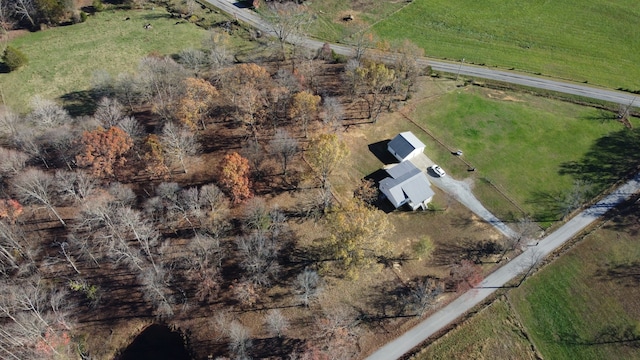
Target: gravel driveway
461, 191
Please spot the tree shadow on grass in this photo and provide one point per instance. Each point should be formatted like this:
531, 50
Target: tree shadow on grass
602, 116
155, 16
612, 157
467, 249
80, 103
619, 335
548, 205
626, 274
275, 347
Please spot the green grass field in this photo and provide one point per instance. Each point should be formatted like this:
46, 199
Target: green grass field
533, 148
592, 40
328, 22
584, 305
493, 333
580, 306
63, 59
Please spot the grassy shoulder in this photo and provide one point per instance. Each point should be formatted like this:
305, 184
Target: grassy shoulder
525, 145
586, 305
63, 59
493, 333
565, 39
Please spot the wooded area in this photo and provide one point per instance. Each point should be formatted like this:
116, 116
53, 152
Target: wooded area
154, 203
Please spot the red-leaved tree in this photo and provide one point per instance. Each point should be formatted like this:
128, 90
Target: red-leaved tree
10, 209
465, 276
103, 150
234, 177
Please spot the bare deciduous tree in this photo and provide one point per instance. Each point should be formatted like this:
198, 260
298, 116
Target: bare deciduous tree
39, 187
109, 112
205, 260
259, 253
36, 314
11, 162
332, 113
193, 59
6, 12
132, 127
14, 249
156, 290
64, 141
77, 186
276, 323
284, 147
26, 10
128, 89
239, 340
217, 44
422, 295
407, 67
28, 140
336, 331
178, 143
255, 153
161, 81
286, 20
9, 122
308, 286
47, 113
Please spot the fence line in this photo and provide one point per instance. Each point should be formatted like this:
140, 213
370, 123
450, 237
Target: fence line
469, 166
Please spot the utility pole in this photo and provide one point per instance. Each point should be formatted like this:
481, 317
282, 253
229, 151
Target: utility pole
459, 68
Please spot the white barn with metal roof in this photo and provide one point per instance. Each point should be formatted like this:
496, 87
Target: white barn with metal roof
405, 146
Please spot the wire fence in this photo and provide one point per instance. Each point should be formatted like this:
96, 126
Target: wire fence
468, 164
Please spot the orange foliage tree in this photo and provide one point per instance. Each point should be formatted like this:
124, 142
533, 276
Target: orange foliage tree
102, 150
304, 107
247, 87
196, 102
234, 177
10, 209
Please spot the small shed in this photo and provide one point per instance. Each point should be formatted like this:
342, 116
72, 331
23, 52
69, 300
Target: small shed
405, 146
406, 184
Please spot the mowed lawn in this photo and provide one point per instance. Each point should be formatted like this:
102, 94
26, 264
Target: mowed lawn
591, 40
63, 59
519, 142
586, 305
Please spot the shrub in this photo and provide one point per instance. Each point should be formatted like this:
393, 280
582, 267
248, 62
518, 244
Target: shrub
83, 16
97, 5
337, 58
14, 58
424, 248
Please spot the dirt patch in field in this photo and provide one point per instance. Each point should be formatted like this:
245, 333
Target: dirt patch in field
501, 95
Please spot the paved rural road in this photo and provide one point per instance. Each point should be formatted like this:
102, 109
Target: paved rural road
528, 259
249, 17
516, 267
